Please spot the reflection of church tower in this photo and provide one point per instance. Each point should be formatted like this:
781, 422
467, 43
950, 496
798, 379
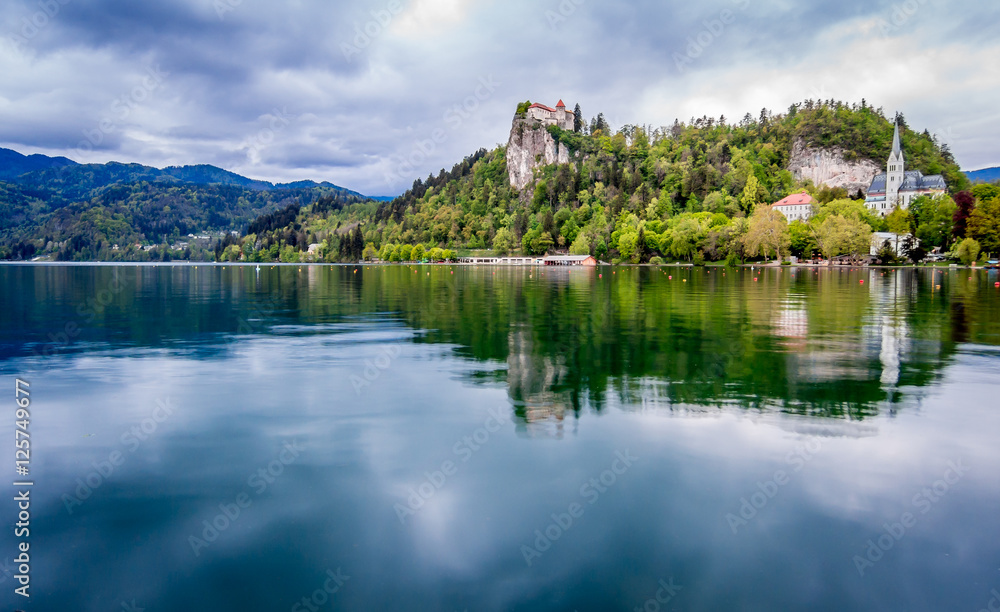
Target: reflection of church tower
895, 171
888, 296
530, 379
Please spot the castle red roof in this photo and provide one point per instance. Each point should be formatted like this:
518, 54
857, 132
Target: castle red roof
558, 107
795, 199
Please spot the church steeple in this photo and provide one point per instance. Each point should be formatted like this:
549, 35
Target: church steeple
897, 151
895, 170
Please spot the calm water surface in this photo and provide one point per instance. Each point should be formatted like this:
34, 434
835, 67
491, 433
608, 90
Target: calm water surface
481, 439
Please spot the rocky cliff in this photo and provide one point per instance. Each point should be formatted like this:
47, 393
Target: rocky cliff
828, 167
530, 146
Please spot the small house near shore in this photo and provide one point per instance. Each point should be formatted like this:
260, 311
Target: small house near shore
570, 260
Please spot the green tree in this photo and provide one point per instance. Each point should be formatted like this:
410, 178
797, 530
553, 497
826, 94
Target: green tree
935, 218
984, 225
685, 238
580, 246
802, 239
768, 232
628, 243
542, 243
749, 198
967, 251
370, 253
417, 254
900, 221
503, 241
838, 235
405, 252
912, 249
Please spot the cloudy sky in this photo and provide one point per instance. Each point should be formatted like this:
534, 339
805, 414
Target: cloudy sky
373, 94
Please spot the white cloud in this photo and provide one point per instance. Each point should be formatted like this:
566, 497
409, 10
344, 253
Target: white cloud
359, 117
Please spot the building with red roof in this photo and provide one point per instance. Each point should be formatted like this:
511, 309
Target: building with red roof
796, 207
552, 116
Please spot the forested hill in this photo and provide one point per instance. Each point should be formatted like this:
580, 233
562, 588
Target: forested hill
642, 184
59, 209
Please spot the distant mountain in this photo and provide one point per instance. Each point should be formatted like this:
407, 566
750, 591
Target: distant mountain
74, 179
13, 164
986, 175
56, 208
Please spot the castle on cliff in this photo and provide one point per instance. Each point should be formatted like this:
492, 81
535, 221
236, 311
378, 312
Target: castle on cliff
898, 187
558, 116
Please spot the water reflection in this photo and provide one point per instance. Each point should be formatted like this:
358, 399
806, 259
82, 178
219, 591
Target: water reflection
713, 383
839, 344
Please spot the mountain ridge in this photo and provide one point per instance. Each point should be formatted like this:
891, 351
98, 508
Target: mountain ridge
986, 175
23, 169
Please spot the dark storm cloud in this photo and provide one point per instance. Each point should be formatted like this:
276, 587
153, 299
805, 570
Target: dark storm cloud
360, 87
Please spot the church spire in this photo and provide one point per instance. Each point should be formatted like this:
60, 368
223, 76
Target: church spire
896, 151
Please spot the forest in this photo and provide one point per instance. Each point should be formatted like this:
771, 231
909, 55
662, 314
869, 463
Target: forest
694, 191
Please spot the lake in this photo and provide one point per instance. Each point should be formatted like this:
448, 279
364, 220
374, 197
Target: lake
482, 439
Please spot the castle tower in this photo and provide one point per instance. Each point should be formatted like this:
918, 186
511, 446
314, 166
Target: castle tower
561, 116
895, 171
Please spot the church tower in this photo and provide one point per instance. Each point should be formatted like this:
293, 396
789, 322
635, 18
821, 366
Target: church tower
895, 172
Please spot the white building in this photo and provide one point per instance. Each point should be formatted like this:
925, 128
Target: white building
796, 207
552, 116
896, 241
897, 187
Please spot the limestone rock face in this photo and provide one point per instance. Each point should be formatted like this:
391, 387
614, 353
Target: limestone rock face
828, 167
530, 146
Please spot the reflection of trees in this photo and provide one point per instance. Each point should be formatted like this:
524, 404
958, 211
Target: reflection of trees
793, 342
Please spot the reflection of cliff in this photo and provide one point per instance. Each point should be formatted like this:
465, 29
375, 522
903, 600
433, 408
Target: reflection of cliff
530, 382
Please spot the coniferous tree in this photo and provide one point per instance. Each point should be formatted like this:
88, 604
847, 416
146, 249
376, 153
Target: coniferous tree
577, 119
